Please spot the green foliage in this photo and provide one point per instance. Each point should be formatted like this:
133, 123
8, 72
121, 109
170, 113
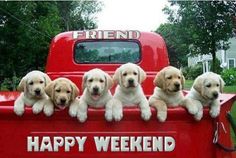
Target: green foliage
218, 69
191, 73
27, 28
200, 25
229, 76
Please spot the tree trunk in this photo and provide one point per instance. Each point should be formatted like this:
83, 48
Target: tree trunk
213, 53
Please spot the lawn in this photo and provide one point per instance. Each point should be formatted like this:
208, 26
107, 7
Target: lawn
227, 89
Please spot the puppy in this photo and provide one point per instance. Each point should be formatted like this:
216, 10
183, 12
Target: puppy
205, 92
63, 93
129, 91
96, 84
168, 92
33, 94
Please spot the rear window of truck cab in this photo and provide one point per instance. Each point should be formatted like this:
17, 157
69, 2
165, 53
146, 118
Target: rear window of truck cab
112, 51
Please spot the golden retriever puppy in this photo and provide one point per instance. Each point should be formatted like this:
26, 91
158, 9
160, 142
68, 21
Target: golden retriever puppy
129, 92
168, 92
33, 93
96, 84
63, 93
205, 92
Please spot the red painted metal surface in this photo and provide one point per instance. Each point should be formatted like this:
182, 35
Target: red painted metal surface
192, 139
60, 60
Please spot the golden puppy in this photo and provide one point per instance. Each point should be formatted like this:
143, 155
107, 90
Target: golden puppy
129, 91
63, 93
205, 92
32, 87
168, 92
96, 84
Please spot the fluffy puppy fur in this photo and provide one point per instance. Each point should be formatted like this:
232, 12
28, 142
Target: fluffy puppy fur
33, 94
205, 93
168, 92
63, 93
96, 86
129, 91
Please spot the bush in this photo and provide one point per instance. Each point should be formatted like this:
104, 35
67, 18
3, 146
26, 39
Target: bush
229, 76
191, 73
10, 83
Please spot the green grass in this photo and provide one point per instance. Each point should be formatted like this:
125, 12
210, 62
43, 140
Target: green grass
227, 89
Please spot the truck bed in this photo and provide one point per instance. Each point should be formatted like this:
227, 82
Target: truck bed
191, 138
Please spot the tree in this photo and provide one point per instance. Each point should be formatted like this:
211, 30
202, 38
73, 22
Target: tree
27, 27
204, 24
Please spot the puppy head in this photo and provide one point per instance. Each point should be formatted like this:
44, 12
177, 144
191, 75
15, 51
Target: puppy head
97, 83
34, 83
170, 79
129, 75
209, 85
62, 91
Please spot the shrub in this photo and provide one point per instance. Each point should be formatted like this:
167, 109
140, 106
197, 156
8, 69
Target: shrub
10, 83
191, 73
229, 76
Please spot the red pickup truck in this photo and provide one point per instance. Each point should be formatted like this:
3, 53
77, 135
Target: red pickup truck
71, 55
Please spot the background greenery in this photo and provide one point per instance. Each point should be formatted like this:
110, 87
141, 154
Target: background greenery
27, 28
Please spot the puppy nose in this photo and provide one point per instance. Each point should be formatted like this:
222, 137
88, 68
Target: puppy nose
131, 81
177, 85
37, 91
215, 94
63, 100
95, 89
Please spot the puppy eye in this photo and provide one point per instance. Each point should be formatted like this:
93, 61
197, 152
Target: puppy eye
179, 77
101, 81
31, 83
91, 80
170, 77
209, 85
217, 85
67, 91
58, 90
135, 73
41, 82
125, 74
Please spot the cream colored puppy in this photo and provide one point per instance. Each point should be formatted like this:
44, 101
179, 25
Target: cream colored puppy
33, 94
205, 92
96, 84
168, 92
63, 93
129, 91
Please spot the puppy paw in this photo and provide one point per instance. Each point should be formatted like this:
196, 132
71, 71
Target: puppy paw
214, 112
72, 112
37, 109
48, 111
198, 116
118, 115
162, 116
18, 110
146, 114
82, 117
108, 115
193, 110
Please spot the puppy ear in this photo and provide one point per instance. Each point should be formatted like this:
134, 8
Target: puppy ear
159, 80
22, 85
50, 89
198, 84
222, 84
141, 75
46, 79
75, 91
182, 80
109, 81
117, 76
84, 80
